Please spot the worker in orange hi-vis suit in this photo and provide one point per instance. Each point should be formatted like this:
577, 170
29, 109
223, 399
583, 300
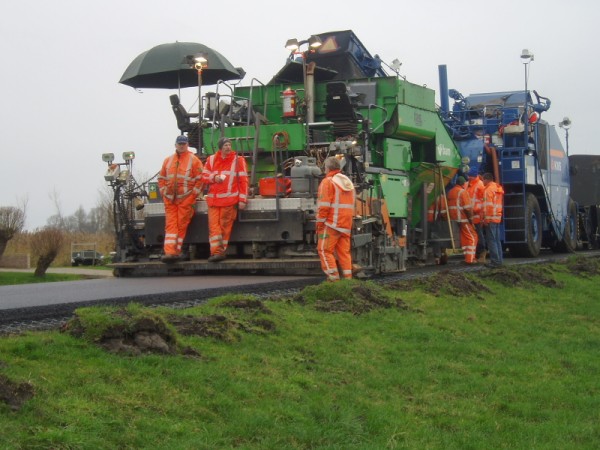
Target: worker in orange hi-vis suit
227, 177
180, 182
491, 217
460, 211
335, 212
475, 189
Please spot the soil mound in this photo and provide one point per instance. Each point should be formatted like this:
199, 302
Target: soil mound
527, 276
456, 284
124, 332
348, 296
14, 394
583, 267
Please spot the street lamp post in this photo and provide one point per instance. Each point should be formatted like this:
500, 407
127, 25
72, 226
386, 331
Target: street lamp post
527, 57
565, 125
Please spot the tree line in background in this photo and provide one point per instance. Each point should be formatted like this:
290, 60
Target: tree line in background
45, 244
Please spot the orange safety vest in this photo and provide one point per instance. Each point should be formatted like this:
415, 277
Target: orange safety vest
335, 204
492, 203
475, 190
234, 189
458, 204
180, 176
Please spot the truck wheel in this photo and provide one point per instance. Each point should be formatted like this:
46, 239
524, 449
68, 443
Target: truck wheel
568, 244
531, 223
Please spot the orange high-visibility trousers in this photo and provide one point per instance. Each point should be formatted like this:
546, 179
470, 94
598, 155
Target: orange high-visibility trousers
333, 244
177, 218
468, 241
220, 224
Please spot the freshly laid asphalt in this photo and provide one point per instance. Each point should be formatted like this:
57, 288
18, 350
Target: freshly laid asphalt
103, 286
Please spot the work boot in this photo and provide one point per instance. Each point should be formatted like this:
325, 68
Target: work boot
466, 263
217, 257
170, 258
481, 257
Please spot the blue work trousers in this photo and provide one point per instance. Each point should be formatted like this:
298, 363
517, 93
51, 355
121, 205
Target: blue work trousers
492, 240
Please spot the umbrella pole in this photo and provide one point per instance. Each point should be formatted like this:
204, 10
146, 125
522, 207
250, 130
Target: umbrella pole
200, 110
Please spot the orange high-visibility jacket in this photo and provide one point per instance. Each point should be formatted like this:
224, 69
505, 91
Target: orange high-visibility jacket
459, 204
492, 203
475, 190
336, 202
234, 189
180, 176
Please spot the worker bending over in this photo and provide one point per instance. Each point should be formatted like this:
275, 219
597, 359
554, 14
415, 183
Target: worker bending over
460, 210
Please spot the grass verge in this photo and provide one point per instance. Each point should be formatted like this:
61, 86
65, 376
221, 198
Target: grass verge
496, 359
8, 278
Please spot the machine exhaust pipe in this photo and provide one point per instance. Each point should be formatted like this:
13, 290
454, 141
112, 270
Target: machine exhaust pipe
444, 102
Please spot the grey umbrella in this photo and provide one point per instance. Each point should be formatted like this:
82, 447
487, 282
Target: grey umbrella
167, 66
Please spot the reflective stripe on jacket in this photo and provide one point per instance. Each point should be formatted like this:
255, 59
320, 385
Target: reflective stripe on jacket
234, 188
492, 203
335, 204
180, 176
459, 204
475, 190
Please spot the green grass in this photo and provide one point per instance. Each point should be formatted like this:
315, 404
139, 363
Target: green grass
517, 367
7, 278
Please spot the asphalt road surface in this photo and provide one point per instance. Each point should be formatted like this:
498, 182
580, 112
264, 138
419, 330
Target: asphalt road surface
108, 287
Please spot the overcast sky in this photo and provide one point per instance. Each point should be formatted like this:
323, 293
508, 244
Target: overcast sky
62, 105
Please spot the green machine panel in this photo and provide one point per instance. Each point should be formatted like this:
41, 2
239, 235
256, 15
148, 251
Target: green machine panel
292, 136
396, 154
395, 190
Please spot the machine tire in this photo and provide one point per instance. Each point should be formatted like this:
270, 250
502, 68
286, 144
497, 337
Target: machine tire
532, 224
568, 244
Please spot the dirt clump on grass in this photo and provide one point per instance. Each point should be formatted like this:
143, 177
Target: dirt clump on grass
348, 296
14, 394
583, 267
246, 304
124, 332
456, 284
220, 327
247, 316
524, 275
214, 326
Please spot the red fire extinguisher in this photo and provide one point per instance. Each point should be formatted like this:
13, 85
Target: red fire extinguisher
289, 103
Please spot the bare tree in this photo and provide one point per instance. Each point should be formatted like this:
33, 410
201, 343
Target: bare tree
57, 220
45, 246
104, 210
12, 221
